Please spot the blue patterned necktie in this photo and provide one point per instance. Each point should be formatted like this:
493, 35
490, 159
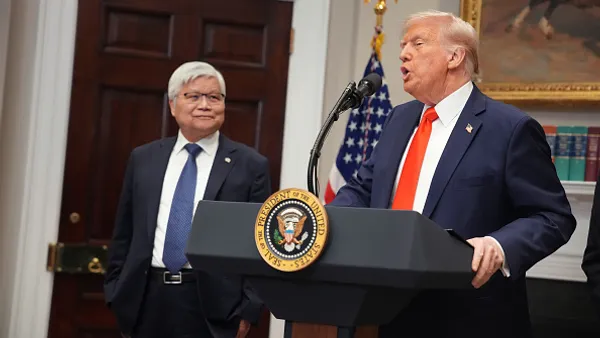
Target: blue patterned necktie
182, 210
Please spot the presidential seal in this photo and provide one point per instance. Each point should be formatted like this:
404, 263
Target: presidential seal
291, 230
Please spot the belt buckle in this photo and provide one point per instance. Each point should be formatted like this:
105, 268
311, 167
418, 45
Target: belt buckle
178, 278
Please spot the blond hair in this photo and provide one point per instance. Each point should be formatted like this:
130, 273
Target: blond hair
456, 33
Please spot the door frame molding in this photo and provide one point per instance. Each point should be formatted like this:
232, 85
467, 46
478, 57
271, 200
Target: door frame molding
4, 29
33, 159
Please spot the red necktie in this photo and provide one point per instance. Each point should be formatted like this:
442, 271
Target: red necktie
407, 185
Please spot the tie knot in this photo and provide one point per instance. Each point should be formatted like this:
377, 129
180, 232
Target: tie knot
430, 114
193, 149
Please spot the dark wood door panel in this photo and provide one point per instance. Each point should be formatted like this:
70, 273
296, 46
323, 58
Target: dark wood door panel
136, 33
239, 44
171, 6
241, 11
127, 118
74, 302
242, 123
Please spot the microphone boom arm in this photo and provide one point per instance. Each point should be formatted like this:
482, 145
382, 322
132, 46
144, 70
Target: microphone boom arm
344, 102
352, 97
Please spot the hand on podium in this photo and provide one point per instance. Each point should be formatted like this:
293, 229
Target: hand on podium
488, 257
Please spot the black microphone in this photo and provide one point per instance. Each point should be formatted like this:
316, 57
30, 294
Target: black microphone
366, 87
351, 98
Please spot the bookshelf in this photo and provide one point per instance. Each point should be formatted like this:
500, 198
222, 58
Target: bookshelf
579, 188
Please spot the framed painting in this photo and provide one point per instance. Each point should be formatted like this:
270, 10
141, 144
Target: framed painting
538, 52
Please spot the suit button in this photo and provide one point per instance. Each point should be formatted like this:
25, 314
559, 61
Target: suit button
145, 272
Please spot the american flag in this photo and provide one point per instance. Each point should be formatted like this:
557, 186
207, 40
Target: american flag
362, 133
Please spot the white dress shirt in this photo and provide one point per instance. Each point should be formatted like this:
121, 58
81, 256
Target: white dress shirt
179, 156
448, 111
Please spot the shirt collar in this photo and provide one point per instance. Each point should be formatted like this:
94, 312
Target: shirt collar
453, 104
209, 144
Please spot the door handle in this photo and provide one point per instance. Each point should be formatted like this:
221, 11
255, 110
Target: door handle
94, 266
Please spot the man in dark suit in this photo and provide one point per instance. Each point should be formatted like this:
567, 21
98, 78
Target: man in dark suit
150, 286
467, 162
591, 255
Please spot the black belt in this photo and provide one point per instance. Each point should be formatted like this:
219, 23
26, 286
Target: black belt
164, 276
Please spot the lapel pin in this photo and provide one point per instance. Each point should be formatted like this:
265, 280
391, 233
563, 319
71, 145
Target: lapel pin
469, 128
227, 159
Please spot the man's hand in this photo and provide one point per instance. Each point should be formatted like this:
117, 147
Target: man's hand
243, 329
487, 259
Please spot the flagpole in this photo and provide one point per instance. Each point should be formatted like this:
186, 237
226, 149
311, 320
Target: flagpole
364, 125
377, 41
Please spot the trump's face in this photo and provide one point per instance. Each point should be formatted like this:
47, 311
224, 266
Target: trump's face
424, 61
199, 108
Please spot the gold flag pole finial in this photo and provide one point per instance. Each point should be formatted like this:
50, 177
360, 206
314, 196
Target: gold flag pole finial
377, 41
379, 10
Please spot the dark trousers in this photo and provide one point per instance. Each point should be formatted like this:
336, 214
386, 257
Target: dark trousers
170, 311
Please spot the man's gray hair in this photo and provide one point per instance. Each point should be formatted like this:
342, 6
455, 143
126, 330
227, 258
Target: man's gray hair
190, 71
456, 33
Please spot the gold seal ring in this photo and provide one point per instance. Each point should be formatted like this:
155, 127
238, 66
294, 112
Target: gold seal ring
291, 230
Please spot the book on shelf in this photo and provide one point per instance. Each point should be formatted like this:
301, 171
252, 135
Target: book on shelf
574, 151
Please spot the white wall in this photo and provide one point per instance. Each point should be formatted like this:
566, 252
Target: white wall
4, 29
32, 150
306, 80
14, 131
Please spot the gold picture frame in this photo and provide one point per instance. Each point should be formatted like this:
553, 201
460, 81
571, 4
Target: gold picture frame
531, 93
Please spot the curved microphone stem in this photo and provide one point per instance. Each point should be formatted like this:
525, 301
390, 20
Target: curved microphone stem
343, 103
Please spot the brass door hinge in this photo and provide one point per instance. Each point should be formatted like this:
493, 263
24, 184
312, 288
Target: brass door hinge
77, 258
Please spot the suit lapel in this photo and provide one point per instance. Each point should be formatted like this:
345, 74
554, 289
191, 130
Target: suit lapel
222, 165
457, 145
158, 166
405, 126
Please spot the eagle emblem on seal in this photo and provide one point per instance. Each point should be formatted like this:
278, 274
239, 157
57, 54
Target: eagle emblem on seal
291, 221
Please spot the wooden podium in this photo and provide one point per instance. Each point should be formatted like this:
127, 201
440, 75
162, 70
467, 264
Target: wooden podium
375, 261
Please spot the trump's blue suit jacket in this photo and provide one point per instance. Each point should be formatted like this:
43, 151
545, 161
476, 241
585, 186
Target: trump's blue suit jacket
496, 180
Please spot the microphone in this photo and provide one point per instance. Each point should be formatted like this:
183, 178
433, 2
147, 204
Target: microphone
366, 87
351, 98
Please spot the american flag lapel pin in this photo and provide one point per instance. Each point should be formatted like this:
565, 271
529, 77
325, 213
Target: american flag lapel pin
469, 128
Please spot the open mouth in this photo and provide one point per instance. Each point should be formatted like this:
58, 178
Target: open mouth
203, 117
405, 72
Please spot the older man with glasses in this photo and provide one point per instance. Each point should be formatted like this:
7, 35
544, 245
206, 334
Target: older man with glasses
150, 286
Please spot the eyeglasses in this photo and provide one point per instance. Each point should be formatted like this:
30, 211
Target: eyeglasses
195, 97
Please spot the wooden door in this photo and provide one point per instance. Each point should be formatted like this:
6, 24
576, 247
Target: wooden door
125, 53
